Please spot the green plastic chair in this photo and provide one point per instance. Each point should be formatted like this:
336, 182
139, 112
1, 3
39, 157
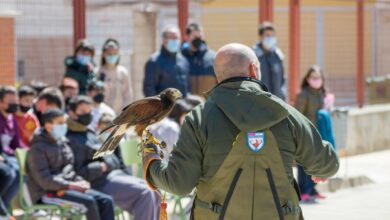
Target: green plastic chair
131, 156
61, 210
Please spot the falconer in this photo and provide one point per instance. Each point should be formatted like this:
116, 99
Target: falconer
238, 148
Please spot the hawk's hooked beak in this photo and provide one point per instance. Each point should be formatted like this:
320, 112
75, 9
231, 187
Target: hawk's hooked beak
177, 94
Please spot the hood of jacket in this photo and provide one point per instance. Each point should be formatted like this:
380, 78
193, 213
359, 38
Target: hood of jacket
247, 105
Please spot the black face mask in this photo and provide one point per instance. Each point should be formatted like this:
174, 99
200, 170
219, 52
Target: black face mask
99, 98
85, 119
24, 108
12, 108
197, 43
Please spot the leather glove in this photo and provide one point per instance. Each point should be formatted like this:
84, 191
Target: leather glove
151, 151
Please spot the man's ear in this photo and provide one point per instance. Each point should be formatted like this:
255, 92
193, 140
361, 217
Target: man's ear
253, 71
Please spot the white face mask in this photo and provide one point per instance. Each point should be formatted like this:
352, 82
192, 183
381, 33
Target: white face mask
269, 43
59, 131
173, 46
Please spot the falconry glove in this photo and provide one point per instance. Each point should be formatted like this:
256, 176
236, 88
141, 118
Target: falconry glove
151, 149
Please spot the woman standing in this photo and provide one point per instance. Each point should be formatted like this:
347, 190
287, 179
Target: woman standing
312, 102
119, 90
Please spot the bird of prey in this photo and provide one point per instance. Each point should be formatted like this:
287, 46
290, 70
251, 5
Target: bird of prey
141, 114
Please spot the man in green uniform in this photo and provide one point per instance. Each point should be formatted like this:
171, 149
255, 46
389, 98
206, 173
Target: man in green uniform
238, 148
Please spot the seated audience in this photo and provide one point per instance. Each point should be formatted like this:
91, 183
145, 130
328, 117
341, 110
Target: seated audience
27, 122
51, 172
96, 90
105, 174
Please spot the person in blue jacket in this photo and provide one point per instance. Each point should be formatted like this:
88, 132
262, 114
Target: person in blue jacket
167, 68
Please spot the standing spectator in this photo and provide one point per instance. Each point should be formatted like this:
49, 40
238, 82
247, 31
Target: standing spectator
167, 68
69, 88
117, 78
271, 60
49, 98
105, 174
27, 122
80, 66
96, 90
310, 101
50, 170
9, 141
201, 60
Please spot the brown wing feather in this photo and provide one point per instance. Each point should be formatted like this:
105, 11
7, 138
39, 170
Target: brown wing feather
139, 111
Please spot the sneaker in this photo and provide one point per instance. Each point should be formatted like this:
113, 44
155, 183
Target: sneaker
307, 199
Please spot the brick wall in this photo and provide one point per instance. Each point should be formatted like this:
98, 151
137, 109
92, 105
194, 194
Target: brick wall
7, 50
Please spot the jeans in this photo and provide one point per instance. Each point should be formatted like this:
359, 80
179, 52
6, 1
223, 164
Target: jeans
100, 206
9, 184
306, 184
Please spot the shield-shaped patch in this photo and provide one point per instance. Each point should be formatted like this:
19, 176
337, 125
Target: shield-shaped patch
255, 141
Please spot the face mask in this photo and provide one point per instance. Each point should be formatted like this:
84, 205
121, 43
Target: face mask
12, 108
59, 131
269, 43
83, 60
24, 108
99, 98
173, 45
197, 43
315, 83
85, 119
112, 59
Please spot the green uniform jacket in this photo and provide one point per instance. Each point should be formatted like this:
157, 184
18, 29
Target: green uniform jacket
209, 130
308, 102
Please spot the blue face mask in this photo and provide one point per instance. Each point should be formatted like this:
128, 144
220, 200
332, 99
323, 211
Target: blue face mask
83, 60
112, 59
269, 43
59, 131
173, 46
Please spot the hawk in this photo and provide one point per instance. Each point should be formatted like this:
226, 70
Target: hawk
141, 114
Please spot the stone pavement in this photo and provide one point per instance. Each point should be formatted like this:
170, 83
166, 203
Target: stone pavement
365, 202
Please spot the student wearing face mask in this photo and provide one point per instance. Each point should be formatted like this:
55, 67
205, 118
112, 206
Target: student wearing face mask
80, 66
9, 133
105, 174
9, 141
26, 120
51, 173
167, 68
271, 60
119, 89
201, 59
314, 102
97, 91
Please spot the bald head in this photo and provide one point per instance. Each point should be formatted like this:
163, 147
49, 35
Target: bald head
235, 60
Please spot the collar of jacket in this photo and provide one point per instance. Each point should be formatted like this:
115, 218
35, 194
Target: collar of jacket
166, 53
238, 79
42, 135
75, 126
314, 91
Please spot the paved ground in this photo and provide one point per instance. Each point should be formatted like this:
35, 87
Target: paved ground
366, 202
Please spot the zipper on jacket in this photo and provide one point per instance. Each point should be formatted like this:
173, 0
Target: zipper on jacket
230, 193
274, 193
